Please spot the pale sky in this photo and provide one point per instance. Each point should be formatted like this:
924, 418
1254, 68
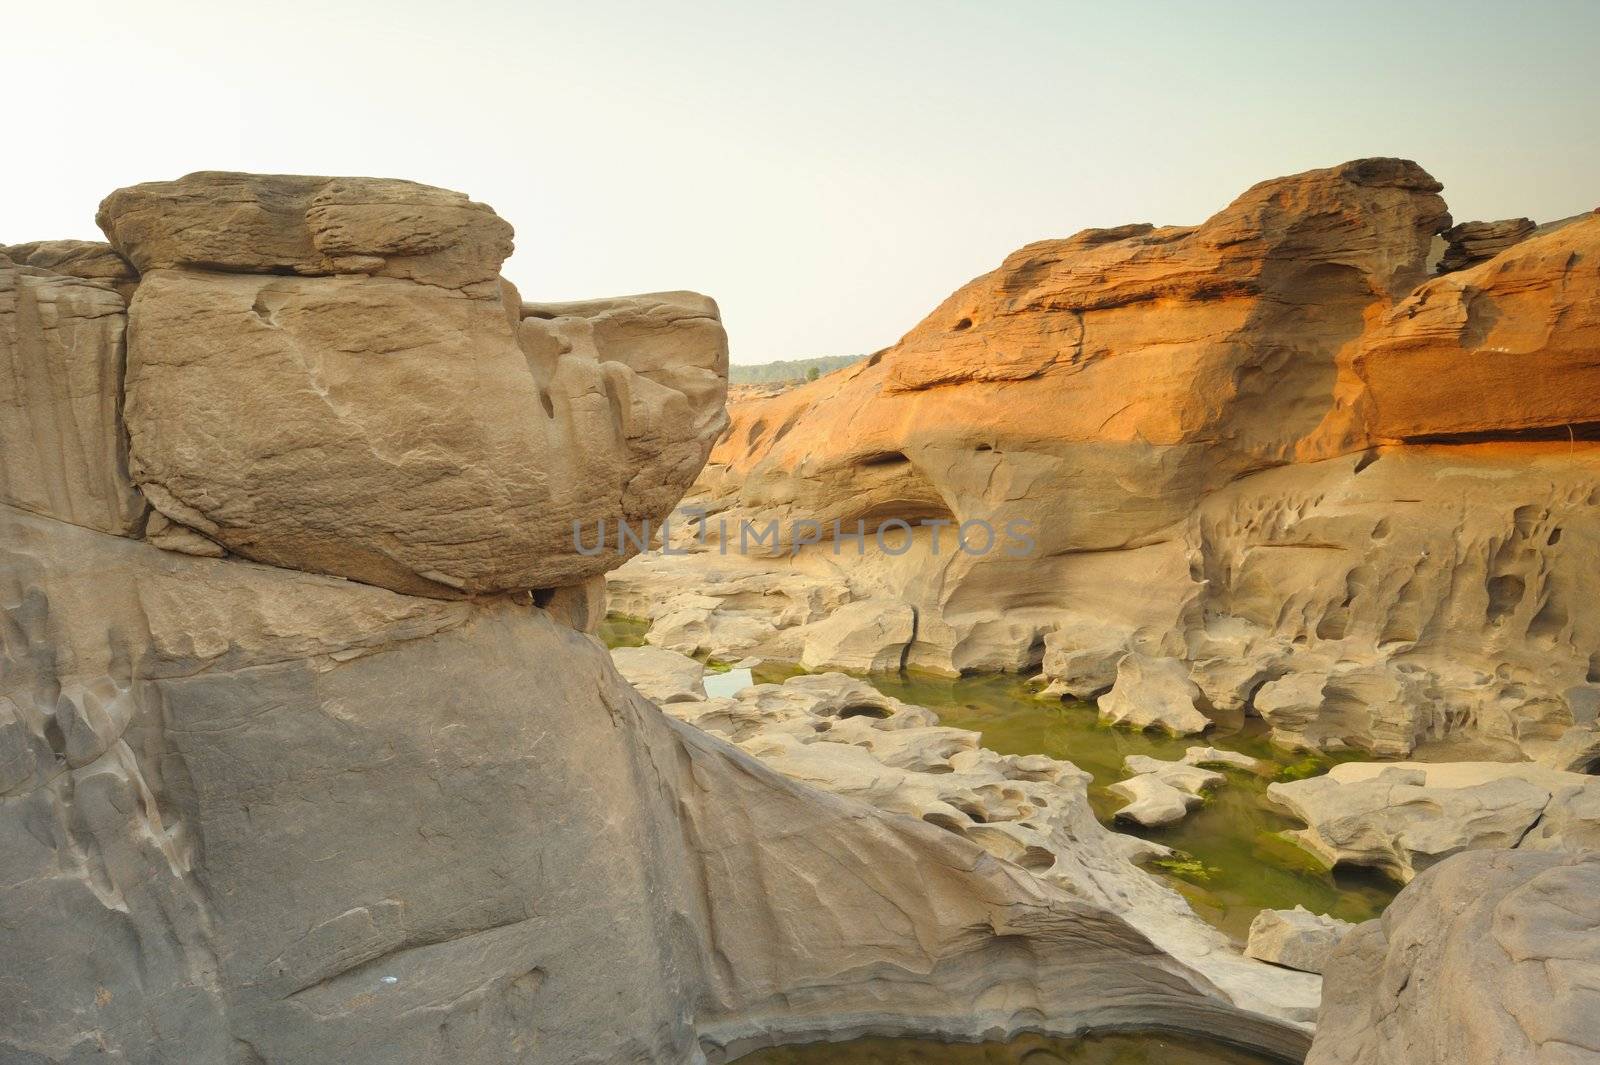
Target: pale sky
828, 170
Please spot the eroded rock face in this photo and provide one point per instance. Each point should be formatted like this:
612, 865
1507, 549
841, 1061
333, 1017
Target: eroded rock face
61, 430
865, 636
1346, 496
1139, 365
1503, 347
1490, 957
407, 422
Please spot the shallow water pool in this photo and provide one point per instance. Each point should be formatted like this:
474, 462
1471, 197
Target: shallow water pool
1234, 860
1237, 861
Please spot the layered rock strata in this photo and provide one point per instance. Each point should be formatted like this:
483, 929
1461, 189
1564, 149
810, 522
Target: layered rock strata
1473, 242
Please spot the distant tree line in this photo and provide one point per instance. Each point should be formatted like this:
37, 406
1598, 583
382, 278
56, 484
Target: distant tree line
788, 369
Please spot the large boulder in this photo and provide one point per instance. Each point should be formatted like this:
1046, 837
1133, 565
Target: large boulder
387, 424
1490, 958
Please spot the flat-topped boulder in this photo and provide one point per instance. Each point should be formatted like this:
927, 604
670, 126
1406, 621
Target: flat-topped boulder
314, 226
88, 259
327, 374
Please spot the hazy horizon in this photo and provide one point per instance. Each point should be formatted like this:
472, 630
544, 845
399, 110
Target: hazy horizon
828, 173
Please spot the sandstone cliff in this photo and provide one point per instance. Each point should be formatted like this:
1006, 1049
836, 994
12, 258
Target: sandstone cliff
1358, 500
303, 756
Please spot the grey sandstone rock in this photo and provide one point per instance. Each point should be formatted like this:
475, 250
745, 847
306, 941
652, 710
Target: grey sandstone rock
1489, 958
1403, 817
1295, 939
661, 676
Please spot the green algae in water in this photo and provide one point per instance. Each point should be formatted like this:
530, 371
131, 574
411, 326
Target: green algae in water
620, 630
1233, 856
1109, 1049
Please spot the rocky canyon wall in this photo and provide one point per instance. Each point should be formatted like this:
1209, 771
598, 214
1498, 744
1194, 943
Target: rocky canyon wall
1356, 498
304, 755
